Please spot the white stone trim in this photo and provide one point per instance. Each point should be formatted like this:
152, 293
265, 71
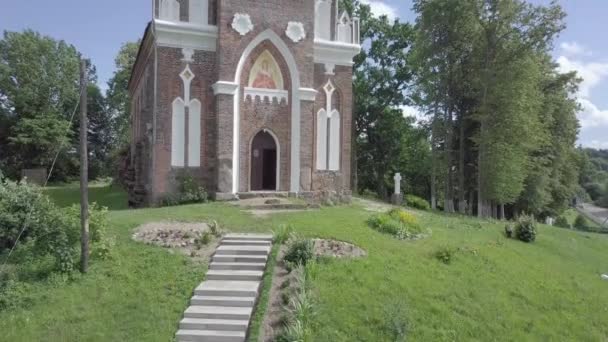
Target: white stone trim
308, 94
186, 35
224, 88
242, 23
335, 53
263, 93
295, 31
269, 34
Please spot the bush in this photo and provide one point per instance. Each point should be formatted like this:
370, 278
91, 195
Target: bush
509, 230
445, 254
28, 215
417, 202
189, 192
399, 223
525, 228
299, 252
581, 223
282, 234
562, 221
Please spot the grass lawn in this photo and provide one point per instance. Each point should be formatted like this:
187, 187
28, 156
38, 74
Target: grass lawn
494, 289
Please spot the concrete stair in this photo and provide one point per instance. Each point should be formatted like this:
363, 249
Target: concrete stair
222, 305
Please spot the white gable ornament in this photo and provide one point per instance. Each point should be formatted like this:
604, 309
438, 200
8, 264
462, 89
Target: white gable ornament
242, 23
295, 31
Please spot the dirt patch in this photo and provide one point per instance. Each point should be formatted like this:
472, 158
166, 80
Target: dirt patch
373, 206
178, 237
337, 249
273, 319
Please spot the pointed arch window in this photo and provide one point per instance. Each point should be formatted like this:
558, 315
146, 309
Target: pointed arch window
328, 133
180, 148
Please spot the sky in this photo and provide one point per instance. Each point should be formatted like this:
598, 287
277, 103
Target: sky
98, 29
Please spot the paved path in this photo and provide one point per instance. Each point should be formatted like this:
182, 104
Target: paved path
221, 308
600, 214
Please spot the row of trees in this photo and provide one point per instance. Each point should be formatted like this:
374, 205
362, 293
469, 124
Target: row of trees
594, 176
501, 120
39, 92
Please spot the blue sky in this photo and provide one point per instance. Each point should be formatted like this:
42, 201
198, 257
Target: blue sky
98, 28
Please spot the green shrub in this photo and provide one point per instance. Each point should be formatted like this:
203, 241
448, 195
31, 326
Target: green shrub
214, 228
299, 252
509, 230
202, 240
399, 223
581, 223
282, 234
562, 221
445, 254
525, 228
188, 192
417, 202
395, 320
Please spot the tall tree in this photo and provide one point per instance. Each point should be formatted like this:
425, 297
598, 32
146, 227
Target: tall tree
38, 90
118, 93
381, 77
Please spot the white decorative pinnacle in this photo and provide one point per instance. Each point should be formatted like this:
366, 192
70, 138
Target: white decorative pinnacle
187, 53
295, 31
242, 23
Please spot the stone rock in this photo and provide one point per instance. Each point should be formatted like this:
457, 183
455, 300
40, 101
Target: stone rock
273, 201
604, 276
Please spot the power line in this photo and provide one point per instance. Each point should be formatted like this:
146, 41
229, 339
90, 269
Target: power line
27, 218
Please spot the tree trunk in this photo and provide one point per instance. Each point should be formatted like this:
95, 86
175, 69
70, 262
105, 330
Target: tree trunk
461, 141
502, 212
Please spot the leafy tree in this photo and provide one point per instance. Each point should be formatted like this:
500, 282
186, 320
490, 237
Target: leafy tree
381, 76
118, 100
39, 80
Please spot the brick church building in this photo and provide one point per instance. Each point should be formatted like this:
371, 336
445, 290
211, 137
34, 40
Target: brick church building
244, 96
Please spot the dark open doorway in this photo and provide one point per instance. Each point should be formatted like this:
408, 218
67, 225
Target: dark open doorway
263, 162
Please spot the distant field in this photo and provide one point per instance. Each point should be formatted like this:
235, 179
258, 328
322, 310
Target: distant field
495, 289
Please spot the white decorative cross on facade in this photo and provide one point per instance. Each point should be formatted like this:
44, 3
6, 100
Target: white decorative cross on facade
397, 183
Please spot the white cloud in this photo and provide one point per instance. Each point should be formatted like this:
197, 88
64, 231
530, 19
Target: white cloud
591, 115
592, 73
380, 8
574, 49
603, 145
592, 118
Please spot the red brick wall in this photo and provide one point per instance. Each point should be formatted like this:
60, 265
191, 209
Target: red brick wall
170, 86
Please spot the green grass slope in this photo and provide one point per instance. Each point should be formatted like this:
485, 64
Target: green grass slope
494, 289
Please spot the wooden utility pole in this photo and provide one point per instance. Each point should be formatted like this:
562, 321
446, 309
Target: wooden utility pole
84, 171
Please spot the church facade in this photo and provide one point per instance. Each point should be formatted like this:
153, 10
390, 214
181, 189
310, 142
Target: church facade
243, 96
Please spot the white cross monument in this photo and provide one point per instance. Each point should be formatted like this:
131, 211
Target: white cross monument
397, 196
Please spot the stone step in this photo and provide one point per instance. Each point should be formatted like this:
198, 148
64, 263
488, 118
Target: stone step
243, 266
244, 302
213, 324
234, 275
210, 336
228, 288
263, 194
218, 312
240, 250
240, 258
251, 237
239, 242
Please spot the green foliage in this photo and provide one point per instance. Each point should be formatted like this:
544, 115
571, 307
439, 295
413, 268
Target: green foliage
215, 229
562, 222
299, 252
509, 230
203, 240
581, 223
417, 202
525, 228
282, 234
445, 254
300, 307
396, 320
188, 192
398, 223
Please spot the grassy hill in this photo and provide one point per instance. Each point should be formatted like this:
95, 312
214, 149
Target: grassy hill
494, 288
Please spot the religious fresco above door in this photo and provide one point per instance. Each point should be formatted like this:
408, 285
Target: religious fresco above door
265, 73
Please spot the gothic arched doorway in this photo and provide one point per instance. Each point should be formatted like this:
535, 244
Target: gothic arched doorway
264, 162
